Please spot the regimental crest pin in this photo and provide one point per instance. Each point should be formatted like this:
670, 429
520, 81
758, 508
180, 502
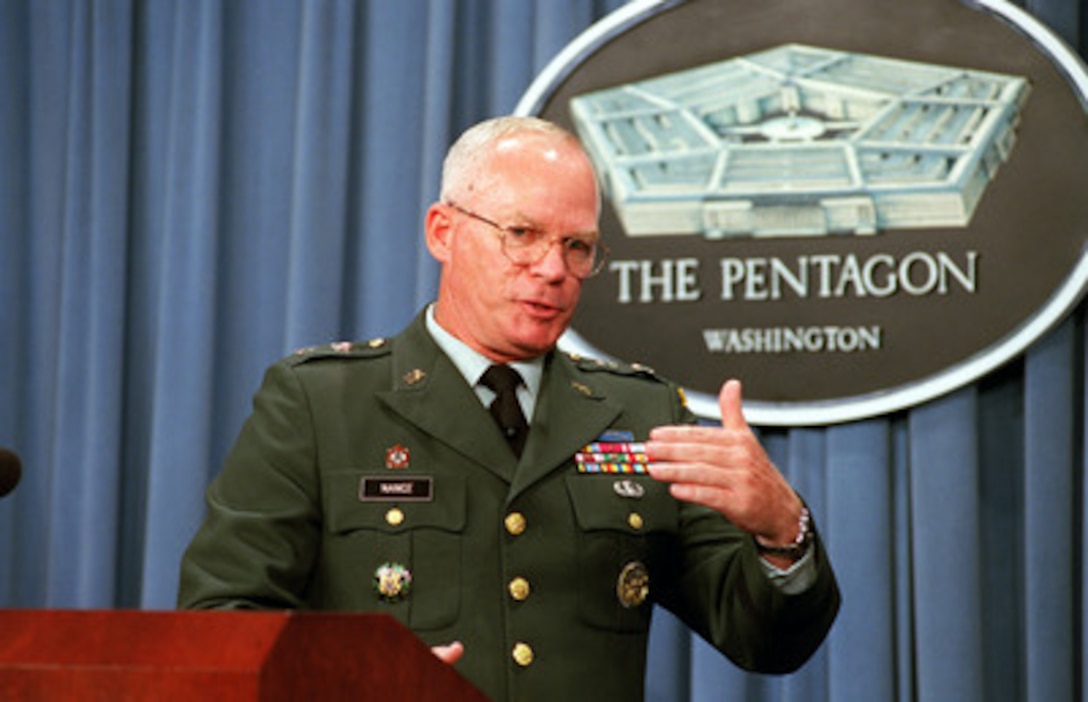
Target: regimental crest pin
397, 457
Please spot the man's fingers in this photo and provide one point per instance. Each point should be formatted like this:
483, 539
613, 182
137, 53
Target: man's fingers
709, 495
731, 406
450, 653
688, 472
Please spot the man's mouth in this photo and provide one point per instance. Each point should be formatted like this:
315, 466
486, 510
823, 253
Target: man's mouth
540, 309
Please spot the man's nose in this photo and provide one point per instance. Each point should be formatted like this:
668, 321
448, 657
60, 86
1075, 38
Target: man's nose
552, 265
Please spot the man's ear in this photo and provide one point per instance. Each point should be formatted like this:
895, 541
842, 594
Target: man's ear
438, 229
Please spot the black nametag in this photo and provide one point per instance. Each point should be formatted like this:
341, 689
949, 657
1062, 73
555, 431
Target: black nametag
385, 489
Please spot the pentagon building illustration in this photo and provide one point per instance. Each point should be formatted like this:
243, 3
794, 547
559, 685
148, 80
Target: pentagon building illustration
800, 141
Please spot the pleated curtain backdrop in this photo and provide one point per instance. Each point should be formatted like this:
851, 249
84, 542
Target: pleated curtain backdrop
191, 189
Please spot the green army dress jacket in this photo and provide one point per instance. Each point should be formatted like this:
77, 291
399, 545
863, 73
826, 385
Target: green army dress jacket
366, 466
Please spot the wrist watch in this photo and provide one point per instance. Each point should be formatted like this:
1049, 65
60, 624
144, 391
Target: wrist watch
800, 544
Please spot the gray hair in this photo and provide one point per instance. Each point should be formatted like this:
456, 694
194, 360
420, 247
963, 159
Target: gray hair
471, 147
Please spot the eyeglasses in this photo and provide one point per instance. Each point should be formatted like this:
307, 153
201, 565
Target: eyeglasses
523, 245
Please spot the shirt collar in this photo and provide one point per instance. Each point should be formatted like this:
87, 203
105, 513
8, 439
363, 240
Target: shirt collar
473, 364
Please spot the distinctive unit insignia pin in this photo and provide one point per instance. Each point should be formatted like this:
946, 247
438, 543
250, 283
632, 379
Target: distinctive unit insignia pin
397, 457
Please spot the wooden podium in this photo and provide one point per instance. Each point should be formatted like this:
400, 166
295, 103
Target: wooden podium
99, 655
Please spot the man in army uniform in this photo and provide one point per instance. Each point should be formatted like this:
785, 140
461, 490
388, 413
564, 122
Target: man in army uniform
400, 475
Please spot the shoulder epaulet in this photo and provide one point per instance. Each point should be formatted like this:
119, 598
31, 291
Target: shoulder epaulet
343, 349
627, 370
592, 365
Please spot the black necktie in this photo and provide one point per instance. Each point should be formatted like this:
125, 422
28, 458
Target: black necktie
506, 410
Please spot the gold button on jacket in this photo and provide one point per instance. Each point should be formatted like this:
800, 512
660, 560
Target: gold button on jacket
519, 589
522, 654
515, 523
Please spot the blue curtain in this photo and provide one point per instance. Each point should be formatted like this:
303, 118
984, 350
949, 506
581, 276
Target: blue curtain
190, 189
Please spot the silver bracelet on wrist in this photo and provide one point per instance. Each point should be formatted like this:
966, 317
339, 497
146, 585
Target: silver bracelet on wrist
800, 544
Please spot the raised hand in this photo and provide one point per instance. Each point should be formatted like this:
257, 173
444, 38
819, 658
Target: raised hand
726, 469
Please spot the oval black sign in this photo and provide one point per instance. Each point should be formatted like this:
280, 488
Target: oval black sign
852, 206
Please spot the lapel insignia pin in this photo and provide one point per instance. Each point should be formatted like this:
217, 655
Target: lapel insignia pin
397, 457
584, 389
414, 376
